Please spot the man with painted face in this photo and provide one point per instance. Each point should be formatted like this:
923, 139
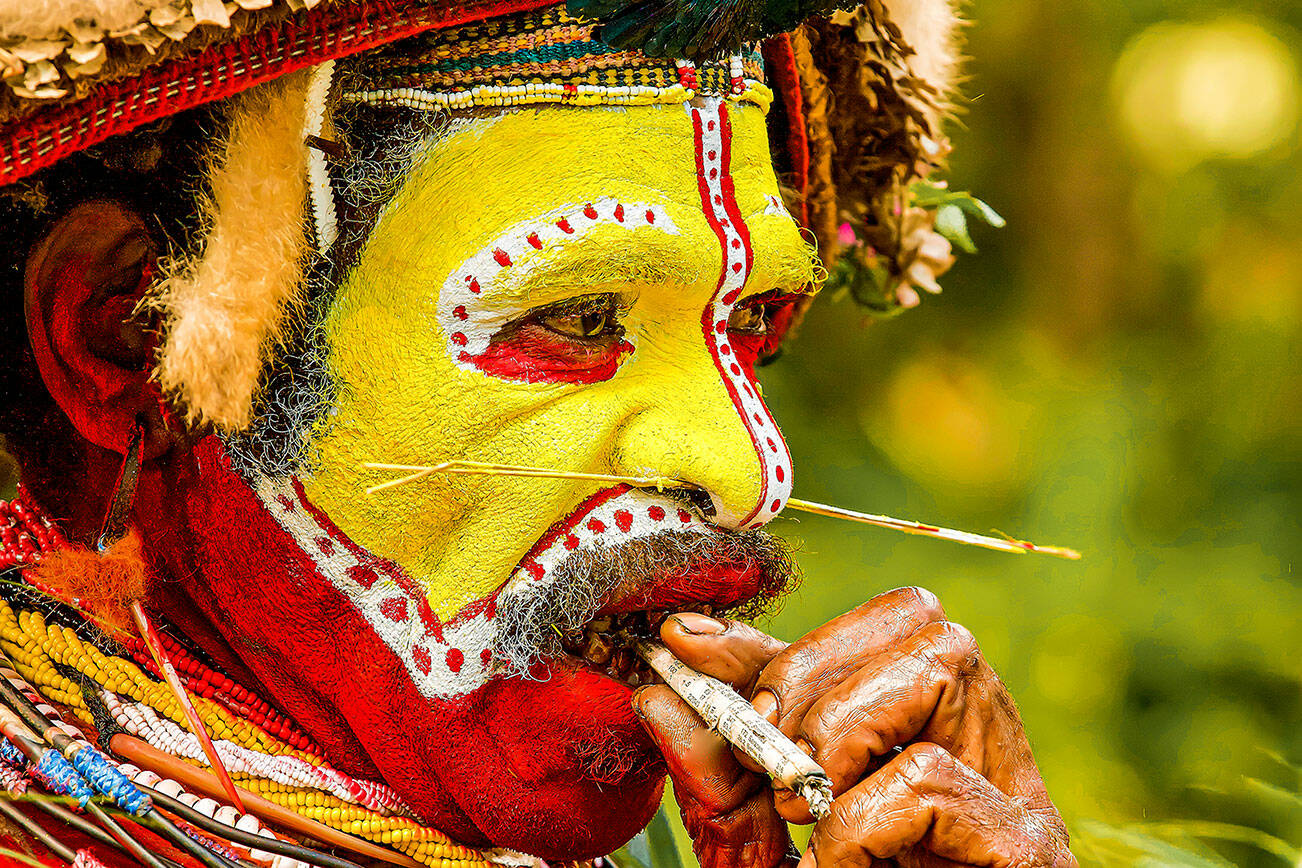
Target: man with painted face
460, 233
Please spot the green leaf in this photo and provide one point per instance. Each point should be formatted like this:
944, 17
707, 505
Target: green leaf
653, 847
952, 224
930, 195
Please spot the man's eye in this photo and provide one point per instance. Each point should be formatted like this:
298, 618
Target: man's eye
748, 320
590, 318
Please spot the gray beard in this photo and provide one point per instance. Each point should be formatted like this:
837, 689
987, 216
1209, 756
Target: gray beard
530, 626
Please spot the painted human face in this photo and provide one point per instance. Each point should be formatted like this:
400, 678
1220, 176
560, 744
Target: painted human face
586, 290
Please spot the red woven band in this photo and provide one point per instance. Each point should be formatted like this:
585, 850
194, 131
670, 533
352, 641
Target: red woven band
330, 31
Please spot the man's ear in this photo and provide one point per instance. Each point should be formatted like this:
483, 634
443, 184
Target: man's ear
83, 282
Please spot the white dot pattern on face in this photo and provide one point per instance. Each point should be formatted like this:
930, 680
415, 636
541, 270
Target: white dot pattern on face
469, 321
714, 138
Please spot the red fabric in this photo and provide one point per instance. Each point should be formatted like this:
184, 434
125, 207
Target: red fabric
780, 60
331, 31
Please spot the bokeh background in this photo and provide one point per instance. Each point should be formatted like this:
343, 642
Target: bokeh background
1117, 370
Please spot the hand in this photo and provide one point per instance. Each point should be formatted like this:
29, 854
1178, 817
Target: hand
929, 763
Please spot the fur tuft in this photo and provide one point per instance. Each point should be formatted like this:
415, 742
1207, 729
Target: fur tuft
930, 27
43, 19
103, 584
225, 310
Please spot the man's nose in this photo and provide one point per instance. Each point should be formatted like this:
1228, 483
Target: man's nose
714, 432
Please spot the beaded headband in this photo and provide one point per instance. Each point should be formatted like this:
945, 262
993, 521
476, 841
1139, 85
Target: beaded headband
542, 56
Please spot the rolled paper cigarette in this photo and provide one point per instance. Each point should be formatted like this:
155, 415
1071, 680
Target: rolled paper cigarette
726, 712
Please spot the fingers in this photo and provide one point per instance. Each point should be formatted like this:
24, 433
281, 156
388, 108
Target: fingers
808, 667
727, 810
927, 802
933, 687
699, 760
915, 690
731, 651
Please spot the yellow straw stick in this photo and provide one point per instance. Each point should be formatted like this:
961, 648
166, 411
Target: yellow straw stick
1015, 546
1000, 544
418, 471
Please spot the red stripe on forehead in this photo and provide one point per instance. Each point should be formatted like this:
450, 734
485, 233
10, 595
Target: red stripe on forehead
713, 138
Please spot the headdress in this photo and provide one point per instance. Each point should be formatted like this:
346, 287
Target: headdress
857, 102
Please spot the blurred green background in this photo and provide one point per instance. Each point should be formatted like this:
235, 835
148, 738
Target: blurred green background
1117, 370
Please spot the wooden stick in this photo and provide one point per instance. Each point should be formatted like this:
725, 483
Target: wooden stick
147, 756
1014, 546
155, 645
999, 544
419, 471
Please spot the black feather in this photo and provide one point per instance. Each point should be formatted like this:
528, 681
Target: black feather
696, 30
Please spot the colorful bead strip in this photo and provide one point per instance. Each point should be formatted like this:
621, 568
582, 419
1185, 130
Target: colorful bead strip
541, 56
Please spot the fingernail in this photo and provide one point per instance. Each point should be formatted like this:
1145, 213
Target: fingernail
807, 860
766, 705
699, 625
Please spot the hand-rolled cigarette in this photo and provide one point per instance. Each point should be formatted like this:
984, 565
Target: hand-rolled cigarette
727, 713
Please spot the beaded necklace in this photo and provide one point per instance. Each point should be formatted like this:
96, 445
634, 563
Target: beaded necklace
110, 684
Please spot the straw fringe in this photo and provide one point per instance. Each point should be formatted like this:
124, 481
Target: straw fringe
226, 309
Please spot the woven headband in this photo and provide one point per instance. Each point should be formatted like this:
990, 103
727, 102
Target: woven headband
542, 56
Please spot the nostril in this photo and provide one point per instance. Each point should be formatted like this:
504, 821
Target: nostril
697, 498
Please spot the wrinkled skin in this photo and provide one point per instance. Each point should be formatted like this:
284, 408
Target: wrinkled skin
929, 762
267, 586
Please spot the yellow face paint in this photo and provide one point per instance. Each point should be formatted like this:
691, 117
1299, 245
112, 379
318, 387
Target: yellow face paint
532, 209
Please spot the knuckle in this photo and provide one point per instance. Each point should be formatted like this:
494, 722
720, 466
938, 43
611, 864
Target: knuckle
925, 765
955, 647
917, 603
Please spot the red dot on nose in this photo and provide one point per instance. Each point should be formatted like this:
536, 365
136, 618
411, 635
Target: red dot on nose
455, 658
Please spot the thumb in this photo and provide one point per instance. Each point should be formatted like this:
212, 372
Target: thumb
731, 651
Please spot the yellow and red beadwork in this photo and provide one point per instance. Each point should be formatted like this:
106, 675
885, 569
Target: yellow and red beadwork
296, 775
